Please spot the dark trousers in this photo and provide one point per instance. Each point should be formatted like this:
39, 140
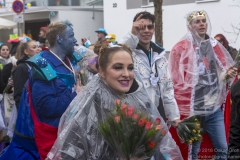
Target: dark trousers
234, 136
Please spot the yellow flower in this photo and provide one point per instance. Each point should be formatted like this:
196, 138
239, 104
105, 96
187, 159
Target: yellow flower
194, 131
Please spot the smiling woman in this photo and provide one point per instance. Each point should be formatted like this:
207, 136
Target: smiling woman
116, 67
78, 134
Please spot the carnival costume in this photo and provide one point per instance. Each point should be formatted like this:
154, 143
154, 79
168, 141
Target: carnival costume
78, 136
198, 70
49, 87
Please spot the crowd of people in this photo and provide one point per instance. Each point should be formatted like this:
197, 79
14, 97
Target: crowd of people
52, 114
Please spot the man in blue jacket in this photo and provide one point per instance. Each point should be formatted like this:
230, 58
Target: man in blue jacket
51, 97
50, 89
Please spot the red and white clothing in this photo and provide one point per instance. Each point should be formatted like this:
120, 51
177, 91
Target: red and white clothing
198, 72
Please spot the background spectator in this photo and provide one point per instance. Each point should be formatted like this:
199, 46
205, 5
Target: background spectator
233, 52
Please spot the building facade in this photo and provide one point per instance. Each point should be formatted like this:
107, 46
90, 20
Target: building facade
85, 15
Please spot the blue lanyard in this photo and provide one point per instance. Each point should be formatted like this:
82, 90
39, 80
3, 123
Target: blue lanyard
150, 57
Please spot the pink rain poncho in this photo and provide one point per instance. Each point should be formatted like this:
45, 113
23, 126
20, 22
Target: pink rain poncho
198, 70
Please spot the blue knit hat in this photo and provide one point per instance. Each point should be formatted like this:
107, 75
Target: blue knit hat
102, 30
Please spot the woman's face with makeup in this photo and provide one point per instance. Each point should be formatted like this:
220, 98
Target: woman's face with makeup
119, 73
32, 49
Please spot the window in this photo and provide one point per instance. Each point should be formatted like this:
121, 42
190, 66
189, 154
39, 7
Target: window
204, 1
146, 2
94, 2
75, 2
64, 2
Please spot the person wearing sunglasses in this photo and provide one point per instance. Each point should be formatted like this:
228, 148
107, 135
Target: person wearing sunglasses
150, 66
222, 39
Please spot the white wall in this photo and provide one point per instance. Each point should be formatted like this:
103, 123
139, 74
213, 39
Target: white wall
222, 15
83, 24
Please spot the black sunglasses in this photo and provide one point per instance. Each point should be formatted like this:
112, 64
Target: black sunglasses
150, 27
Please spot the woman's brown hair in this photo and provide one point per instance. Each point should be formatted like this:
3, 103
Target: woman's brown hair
105, 52
20, 50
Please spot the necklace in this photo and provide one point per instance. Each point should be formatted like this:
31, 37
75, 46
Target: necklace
70, 69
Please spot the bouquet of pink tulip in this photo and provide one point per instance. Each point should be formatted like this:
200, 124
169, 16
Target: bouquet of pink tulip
131, 133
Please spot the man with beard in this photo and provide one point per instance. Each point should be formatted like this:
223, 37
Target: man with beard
201, 70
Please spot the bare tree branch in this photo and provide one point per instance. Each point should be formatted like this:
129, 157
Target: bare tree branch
234, 6
235, 29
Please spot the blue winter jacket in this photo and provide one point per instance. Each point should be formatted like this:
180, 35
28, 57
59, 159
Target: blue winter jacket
51, 98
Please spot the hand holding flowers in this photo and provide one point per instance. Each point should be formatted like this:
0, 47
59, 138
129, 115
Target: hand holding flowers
189, 130
232, 71
131, 133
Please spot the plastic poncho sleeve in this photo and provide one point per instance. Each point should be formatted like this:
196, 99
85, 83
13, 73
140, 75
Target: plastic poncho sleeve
182, 90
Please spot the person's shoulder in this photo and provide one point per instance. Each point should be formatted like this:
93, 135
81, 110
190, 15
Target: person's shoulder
157, 48
9, 65
182, 43
231, 49
41, 68
45, 54
7, 68
21, 69
181, 46
21, 66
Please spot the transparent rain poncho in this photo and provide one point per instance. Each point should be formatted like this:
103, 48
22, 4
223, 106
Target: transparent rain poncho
198, 69
78, 136
88, 58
